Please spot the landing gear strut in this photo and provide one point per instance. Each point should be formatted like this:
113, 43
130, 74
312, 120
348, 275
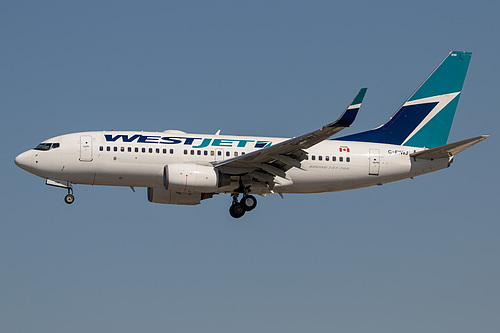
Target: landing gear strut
238, 208
69, 198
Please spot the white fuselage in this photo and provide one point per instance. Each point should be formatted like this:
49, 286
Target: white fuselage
138, 159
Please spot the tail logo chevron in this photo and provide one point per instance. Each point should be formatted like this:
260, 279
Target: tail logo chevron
440, 103
425, 119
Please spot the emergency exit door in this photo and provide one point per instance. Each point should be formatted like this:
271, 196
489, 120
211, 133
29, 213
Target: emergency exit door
219, 154
86, 148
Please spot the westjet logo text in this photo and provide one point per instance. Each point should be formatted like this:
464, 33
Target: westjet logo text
194, 142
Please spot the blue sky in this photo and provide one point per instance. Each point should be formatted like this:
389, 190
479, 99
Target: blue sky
413, 256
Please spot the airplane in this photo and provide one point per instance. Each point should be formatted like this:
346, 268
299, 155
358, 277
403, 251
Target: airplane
184, 169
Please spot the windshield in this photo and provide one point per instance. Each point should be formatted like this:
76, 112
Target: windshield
47, 146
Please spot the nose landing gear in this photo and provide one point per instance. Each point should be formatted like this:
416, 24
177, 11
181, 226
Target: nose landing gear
69, 198
238, 208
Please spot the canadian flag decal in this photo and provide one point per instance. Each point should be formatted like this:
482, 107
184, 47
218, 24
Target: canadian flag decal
344, 149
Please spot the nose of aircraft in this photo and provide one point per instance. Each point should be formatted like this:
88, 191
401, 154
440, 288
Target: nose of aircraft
24, 160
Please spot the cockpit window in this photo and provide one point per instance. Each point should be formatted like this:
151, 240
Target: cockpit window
42, 146
47, 146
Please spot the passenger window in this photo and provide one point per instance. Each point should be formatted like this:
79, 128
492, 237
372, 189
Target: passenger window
307, 157
313, 157
334, 158
150, 150
212, 153
198, 152
136, 149
164, 151
143, 150
185, 152
101, 148
192, 152
228, 153
327, 158
115, 148
122, 148
157, 150
235, 153
219, 153
129, 149
341, 159
171, 151
108, 148
320, 157
348, 159
205, 152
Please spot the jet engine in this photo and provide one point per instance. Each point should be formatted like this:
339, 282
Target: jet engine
189, 178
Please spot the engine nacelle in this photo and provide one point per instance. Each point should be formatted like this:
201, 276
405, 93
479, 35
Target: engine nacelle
163, 196
189, 178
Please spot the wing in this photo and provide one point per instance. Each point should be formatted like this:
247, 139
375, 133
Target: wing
277, 159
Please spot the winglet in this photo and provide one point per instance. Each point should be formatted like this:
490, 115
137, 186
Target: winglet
347, 118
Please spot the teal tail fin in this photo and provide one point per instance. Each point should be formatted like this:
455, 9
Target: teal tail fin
425, 118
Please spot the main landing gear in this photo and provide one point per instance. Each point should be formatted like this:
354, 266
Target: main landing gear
238, 209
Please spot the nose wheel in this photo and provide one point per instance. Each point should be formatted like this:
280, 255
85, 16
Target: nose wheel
69, 198
239, 208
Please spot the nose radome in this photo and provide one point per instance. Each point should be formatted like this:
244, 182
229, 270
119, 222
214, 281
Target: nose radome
24, 160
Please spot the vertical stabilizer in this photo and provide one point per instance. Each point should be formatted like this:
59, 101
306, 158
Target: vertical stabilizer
425, 119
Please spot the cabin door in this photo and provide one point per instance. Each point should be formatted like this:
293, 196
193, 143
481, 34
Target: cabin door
86, 148
374, 166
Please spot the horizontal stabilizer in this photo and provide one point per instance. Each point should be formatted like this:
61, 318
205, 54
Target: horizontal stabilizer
449, 149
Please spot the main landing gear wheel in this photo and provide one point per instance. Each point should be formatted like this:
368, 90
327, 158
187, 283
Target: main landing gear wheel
69, 198
236, 210
248, 202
